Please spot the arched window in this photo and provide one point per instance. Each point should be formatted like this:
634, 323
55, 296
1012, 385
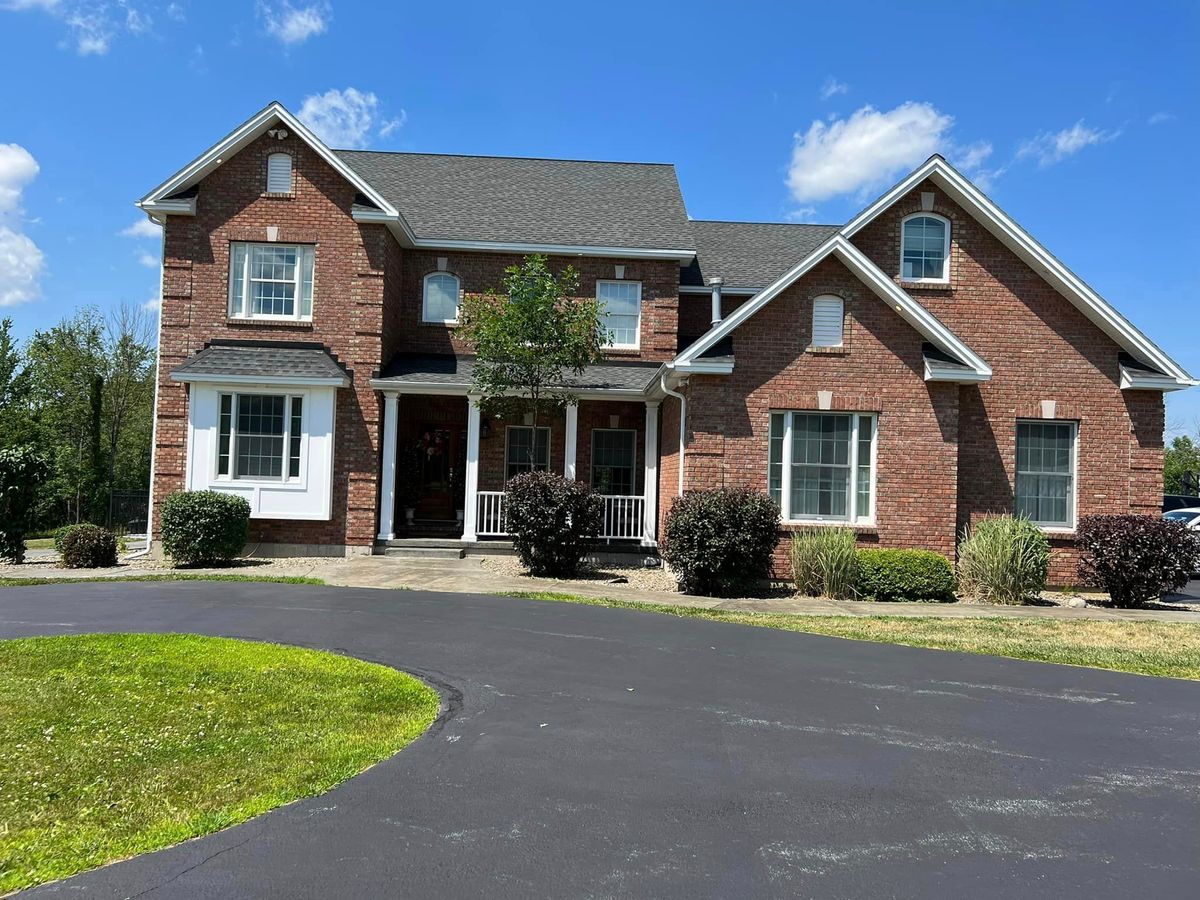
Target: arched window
827, 321
279, 173
925, 248
440, 302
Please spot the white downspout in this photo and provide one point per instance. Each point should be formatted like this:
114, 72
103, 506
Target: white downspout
682, 426
715, 284
162, 256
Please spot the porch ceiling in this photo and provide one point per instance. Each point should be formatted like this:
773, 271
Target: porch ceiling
446, 373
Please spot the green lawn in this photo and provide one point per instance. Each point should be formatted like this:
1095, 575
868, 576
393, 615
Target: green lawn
46, 543
1145, 648
166, 576
116, 744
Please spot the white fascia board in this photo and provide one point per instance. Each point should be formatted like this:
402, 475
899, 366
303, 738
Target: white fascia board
1041, 260
953, 374
1144, 381
156, 209
704, 367
681, 256
440, 388
265, 381
725, 290
868, 273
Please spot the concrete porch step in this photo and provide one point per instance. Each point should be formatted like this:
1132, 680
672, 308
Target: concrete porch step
423, 552
441, 548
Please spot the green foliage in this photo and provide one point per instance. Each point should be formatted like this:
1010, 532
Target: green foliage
529, 340
824, 562
552, 521
88, 547
720, 542
22, 471
1003, 560
1136, 559
204, 527
1182, 455
920, 575
16, 425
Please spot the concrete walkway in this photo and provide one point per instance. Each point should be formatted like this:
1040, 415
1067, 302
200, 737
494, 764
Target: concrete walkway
469, 576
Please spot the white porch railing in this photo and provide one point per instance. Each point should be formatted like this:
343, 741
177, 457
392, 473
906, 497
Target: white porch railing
624, 516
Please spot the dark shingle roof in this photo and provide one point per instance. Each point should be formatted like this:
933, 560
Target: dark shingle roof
750, 254
428, 368
261, 360
536, 201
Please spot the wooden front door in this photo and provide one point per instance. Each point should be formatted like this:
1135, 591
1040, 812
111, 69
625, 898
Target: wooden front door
443, 460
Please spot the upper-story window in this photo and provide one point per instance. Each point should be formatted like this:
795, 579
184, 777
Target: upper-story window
925, 248
279, 173
620, 312
827, 321
271, 281
440, 298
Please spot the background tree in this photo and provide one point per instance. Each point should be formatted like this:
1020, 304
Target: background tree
16, 424
529, 340
22, 470
1182, 455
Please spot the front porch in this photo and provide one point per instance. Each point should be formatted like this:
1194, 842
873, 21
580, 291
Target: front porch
444, 464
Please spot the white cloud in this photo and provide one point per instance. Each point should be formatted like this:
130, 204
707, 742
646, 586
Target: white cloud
832, 87
143, 228
865, 151
21, 261
1052, 147
346, 118
154, 304
147, 259
294, 25
1160, 117
92, 25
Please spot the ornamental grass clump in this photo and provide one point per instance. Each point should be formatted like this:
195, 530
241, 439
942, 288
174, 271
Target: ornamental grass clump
1136, 559
824, 563
1003, 560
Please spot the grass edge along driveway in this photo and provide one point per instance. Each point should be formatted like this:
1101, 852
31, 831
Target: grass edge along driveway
118, 744
1165, 649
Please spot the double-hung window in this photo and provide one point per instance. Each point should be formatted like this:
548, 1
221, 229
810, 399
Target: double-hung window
620, 305
271, 281
526, 449
440, 298
1046, 473
614, 452
925, 248
259, 437
821, 466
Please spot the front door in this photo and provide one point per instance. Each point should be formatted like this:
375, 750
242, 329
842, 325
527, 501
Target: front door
443, 458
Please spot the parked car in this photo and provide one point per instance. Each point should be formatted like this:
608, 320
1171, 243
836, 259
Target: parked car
1179, 501
1189, 517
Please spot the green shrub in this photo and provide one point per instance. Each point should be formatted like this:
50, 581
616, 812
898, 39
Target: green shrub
824, 563
87, 547
1003, 560
60, 533
905, 575
22, 470
1136, 559
552, 521
720, 542
204, 526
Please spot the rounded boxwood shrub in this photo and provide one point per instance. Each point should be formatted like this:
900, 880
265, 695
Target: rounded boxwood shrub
204, 526
721, 541
87, 547
824, 562
1003, 560
1136, 559
552, 521
920, 575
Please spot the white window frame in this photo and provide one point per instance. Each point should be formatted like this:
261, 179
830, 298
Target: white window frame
285, 478
425, 317
239, 307
549, 446
945, 279
1073, 506
841, 305
785, 483
633, 466
291, 172
637, 331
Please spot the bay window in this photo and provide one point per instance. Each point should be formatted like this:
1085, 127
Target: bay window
271, 281
821, 466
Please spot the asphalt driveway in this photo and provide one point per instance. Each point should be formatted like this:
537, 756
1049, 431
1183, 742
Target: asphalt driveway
611, 753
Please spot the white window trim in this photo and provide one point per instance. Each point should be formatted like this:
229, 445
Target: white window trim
300, 481
549, 445
633, 465
291, 171
239, 307
1054, 527
945, 279
637, 341
785, 481
841, 342
425, 298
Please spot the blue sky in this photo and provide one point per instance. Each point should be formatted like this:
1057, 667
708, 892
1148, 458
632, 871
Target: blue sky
1082, 125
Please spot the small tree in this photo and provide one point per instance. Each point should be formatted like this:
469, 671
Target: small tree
1181, 461
22, 471
529, 340
1136, 558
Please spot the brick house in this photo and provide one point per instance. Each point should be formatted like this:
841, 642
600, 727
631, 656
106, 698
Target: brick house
924, 365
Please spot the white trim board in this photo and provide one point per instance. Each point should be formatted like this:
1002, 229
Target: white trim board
263, 380
1041, 260
869, 274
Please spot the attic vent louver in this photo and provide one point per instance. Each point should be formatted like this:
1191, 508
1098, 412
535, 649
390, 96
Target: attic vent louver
279, 173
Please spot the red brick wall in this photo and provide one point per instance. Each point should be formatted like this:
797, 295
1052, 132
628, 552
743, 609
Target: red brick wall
347, 318
1040, 347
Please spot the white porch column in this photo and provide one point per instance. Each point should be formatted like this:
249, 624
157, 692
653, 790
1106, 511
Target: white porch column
650, 489
387, 482
471, 480
571, 443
